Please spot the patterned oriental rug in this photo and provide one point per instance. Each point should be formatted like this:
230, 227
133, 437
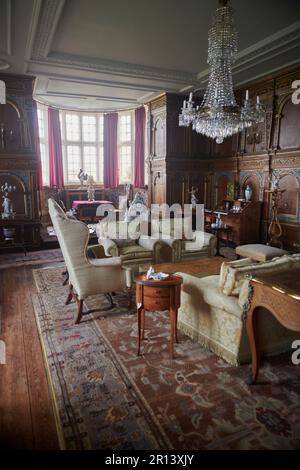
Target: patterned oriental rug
31, 258
108, 398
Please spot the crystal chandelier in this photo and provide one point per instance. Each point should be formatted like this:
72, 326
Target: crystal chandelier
219, 116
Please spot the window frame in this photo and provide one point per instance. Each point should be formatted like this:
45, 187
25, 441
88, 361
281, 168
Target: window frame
98, 144
44, 141
126, 143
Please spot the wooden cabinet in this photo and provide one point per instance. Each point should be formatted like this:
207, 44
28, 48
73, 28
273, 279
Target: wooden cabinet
18, 159
245, 225
175, 154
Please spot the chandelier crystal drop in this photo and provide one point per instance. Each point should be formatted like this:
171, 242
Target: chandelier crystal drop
219, 116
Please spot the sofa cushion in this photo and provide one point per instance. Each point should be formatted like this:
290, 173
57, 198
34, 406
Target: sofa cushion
234, 264
208, 289
236, 275
259, 252
134, 252
180, 228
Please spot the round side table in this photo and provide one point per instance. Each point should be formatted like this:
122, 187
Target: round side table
158, 295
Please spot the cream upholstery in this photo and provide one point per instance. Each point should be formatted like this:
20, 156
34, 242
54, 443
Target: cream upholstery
216, 320
185, 244
86, 276
236, 274
259, 252
131, 251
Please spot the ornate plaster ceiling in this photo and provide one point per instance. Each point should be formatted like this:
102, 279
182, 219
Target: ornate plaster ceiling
105, 55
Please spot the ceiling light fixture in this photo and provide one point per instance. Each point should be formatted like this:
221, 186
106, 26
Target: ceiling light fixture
219, 116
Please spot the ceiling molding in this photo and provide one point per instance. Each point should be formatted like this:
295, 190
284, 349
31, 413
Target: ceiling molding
5, 28
37, 4
105, 83
272, 46
116, 68
45, 20
86, 96
49, 15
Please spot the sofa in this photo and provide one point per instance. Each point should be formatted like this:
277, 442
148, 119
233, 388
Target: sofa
117, 239
184, 243
213, 310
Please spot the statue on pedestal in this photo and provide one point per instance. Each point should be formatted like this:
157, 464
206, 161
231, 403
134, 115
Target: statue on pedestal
8, 212
194, 199
90, 190
82, 176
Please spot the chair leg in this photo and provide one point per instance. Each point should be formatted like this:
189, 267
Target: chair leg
129, 296
70, 295
79, 311
109, 298
65, 273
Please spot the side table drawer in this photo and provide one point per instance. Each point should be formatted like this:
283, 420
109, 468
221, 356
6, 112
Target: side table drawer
157, 292
156, 303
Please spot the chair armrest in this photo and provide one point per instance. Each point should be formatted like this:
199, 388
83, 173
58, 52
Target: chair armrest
96, 251
111, 261
202, 239
128, 276
110, 247
148, 243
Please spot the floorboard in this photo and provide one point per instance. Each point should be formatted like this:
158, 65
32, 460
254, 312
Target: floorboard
26, 411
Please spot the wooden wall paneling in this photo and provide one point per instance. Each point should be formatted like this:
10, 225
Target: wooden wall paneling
289, 125
247, 157
18, 156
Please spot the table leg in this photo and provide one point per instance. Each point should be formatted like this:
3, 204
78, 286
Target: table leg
218, 244
143, 323
172, 331
139, 313
252, 336
176, 317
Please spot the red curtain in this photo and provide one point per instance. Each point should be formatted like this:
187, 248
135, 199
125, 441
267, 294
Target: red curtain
56, 172
110, 151
139, 148
37, 147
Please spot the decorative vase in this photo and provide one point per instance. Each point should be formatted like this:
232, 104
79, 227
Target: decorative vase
248, 193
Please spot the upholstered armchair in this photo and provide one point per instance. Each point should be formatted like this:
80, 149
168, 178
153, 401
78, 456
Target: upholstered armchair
87, 276
116, 241
186, 244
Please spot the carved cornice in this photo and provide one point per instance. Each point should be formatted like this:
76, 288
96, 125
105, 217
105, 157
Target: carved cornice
284, 83
260, 162
285, 162
157, 103
22, 162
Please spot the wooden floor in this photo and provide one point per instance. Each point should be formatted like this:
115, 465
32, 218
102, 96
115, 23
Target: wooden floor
26, 414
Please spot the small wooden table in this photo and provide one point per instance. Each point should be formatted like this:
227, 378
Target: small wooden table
218, 231
87, 210
158, 295
280, 294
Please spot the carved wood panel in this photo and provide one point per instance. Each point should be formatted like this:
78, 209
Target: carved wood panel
289, 126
